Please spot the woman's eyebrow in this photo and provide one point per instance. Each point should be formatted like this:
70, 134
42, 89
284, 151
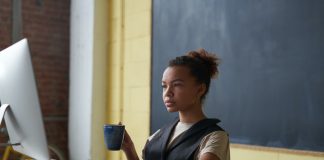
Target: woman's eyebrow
175, 80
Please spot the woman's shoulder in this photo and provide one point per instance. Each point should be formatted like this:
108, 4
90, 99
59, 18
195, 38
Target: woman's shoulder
154, 134
216, 135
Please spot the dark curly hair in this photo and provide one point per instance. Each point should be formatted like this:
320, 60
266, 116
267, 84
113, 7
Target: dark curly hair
202, 65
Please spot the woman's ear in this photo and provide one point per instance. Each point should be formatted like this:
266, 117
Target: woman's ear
201, 89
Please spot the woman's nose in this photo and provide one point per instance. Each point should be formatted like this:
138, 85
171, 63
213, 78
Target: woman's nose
168, 92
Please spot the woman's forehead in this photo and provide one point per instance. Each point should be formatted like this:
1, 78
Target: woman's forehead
176, 73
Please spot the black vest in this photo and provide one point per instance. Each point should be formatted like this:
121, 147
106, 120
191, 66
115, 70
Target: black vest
184, 147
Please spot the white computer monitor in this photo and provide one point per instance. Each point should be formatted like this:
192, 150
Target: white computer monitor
18, 90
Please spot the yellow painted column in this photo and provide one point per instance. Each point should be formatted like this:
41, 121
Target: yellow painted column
129, 59
99, 77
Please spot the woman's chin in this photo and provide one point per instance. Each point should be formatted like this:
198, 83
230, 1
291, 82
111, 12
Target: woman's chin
171, 109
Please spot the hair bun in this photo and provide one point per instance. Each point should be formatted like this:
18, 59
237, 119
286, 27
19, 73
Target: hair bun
209, 59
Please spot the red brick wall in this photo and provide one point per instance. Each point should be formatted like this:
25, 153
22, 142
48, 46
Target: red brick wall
5, 23
46, 25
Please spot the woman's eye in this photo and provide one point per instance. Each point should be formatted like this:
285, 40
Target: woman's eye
177, 84
163, 86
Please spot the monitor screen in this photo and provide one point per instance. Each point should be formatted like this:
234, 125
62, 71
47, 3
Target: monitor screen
23, 117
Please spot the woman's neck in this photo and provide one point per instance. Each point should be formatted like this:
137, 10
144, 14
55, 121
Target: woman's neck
192, 116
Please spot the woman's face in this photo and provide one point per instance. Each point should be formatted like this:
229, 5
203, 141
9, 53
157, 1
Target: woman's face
181, 92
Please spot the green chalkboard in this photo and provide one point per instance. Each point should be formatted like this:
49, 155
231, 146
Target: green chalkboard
270, 91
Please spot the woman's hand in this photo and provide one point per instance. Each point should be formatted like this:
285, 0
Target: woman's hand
128, 147
127, 143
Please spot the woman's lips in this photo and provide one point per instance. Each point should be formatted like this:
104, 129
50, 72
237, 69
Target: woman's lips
168, 103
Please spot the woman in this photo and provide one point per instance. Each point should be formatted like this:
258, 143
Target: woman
185, 83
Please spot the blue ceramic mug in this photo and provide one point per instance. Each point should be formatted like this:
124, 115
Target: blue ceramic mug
114, 136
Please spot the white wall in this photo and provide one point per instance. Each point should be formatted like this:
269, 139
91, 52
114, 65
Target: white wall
81, 67
88, 79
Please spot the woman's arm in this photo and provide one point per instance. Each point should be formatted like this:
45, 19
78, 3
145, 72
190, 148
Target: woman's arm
214, 146
129, 148
208, 156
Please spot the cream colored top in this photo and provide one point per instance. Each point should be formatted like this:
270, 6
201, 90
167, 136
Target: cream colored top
216, 142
